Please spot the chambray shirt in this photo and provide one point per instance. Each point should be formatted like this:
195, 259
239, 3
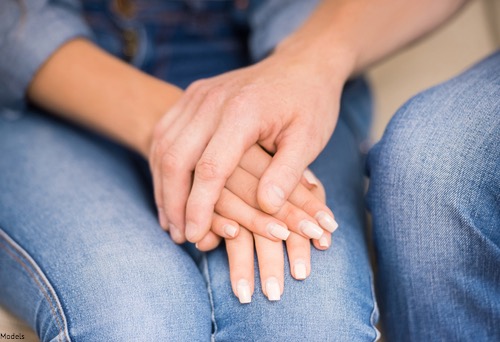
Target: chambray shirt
31, 30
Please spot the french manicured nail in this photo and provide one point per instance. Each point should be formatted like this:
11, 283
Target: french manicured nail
162, 218
310, 178
174, 232
276, 196
326, 221
300, 270
243, 289
273, 289
230, 230
310, 229
278, 231
191, 230
323, 242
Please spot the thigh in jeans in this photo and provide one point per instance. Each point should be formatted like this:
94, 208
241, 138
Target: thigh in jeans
82, 256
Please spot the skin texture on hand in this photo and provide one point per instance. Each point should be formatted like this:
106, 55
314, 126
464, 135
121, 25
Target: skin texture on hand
277, 104
270, 257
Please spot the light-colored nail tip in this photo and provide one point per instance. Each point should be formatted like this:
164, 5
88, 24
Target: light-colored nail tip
310, 229
273, 289
326, 221
310, 178
278, 231
230, 230
300, 270
244, 295
323, 242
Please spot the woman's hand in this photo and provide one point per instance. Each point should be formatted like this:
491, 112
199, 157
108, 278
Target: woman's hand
241, 206
285, 104
270, 256
304, 214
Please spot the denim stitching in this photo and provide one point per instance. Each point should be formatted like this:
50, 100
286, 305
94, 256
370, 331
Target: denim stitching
373, 313
32, 272
206, 274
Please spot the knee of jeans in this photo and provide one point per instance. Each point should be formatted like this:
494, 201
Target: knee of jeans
142, 294
440, 150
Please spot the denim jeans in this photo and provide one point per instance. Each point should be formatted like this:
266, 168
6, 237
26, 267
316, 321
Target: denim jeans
435, 198
82, 256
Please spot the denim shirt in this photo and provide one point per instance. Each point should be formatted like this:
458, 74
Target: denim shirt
31, 30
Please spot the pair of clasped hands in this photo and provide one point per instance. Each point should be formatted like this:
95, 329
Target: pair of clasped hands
229, 161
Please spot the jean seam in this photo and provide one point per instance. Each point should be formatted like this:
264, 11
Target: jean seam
374, 310
206, 274
17, 253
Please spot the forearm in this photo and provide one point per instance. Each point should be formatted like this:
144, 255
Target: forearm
346, 36
86, 85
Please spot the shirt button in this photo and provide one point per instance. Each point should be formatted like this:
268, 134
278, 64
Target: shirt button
124, 7
130, 43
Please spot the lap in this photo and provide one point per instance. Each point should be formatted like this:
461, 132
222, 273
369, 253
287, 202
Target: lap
83, 256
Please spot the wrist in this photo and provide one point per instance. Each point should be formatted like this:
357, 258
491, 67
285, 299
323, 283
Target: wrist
326, 58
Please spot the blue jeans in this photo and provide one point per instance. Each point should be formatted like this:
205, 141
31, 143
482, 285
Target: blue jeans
82, 256
435, 199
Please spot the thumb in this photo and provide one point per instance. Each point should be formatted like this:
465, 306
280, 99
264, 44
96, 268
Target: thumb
293, 155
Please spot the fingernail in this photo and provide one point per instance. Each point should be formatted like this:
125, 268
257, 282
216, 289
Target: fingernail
278, 231
273, 289
299, 269
323, 242
174, 232
243, 289
310, 178
230, 230
191, 230
162, 218
276, 196
310, 229
326, 221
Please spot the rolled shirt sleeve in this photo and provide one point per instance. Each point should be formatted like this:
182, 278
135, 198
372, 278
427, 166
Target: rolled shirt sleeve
30, 32
273, 20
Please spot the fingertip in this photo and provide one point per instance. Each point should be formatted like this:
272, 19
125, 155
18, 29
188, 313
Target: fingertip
300, 270
176, 234
162, 218
208, 242
243, 291
273, 289
310, 179
231, 231
193, 232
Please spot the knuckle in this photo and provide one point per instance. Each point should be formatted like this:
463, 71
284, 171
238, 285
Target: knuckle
195, 86
214, 94
290, 212
237, 103
170, 161
208, 169
249, 192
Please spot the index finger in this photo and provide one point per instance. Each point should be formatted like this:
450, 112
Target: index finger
216, 164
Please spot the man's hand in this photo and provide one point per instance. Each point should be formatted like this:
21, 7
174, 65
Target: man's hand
283, 103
